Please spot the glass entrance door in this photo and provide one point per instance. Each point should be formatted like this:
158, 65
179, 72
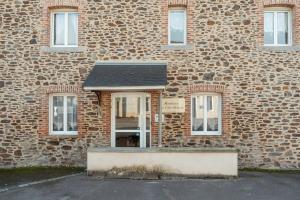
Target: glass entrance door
131, 119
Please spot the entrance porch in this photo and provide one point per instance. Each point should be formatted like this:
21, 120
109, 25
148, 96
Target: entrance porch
129, 97
130, 100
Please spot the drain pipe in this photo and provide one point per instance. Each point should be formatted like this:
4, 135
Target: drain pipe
160, 120
99, 103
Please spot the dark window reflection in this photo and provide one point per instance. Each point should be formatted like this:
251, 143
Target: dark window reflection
127, 139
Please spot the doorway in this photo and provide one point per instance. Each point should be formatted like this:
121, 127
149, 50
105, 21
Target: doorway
131, 120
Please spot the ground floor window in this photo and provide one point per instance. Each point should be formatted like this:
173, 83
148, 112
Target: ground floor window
63, 114
206, 114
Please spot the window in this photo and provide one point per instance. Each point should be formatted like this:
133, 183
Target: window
206, 114
64, 29
277, 27
177, 26
63, 114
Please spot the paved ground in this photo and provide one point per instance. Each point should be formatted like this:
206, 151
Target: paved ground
18, 176
250, 186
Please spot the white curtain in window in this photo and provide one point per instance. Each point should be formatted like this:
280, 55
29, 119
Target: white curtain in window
58, 113
198, 113
212, 113
282, 28
71, 113
59, 29
177, 26
72, 28
269, 28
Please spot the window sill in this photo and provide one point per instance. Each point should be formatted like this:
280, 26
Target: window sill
47, 49
177, 47
280, 48
206, 134
63, 135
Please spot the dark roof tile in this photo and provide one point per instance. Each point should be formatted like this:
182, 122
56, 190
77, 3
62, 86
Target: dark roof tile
127, 75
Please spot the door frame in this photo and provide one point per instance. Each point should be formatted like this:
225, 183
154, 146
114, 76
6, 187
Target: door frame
142, 119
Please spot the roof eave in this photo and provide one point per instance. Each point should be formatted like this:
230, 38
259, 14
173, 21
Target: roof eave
117, 88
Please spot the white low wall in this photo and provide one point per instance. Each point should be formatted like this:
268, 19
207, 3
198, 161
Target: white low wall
192, 162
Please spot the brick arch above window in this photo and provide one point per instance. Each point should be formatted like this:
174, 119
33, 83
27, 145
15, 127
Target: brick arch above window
213, 88
177, 3
207, 88
287, 3
48, 5
43, 119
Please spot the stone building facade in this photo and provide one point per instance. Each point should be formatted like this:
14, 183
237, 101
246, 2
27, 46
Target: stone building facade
224, 53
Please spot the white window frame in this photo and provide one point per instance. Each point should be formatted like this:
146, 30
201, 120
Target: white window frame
66, 28
65, 132
275, 11
205, 132
185, 26
142, 122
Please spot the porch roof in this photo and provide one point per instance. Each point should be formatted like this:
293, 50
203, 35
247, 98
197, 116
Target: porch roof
120, 76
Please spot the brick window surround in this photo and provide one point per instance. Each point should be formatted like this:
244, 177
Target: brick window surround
293, 4
48, 5
44, 92
225, 96
166, 5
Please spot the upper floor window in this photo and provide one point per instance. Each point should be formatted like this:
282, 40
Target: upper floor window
63, 114
277, 27
206, 114
64, 28
177, 26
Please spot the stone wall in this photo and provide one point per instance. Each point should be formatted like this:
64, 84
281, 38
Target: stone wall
262, 84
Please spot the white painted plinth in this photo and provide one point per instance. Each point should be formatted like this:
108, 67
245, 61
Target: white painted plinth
186, 162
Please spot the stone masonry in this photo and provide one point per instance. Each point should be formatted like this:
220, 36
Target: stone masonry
260, 86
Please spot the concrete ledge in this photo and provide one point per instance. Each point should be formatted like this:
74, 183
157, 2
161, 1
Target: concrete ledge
131, 62
161, 150
47, 49
280, 48
180, 161
177, 47
60, 136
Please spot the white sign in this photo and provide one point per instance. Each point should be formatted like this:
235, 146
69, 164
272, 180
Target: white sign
162, 118
173, 105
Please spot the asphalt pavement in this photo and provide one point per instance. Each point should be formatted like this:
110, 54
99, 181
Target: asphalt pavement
249, 186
